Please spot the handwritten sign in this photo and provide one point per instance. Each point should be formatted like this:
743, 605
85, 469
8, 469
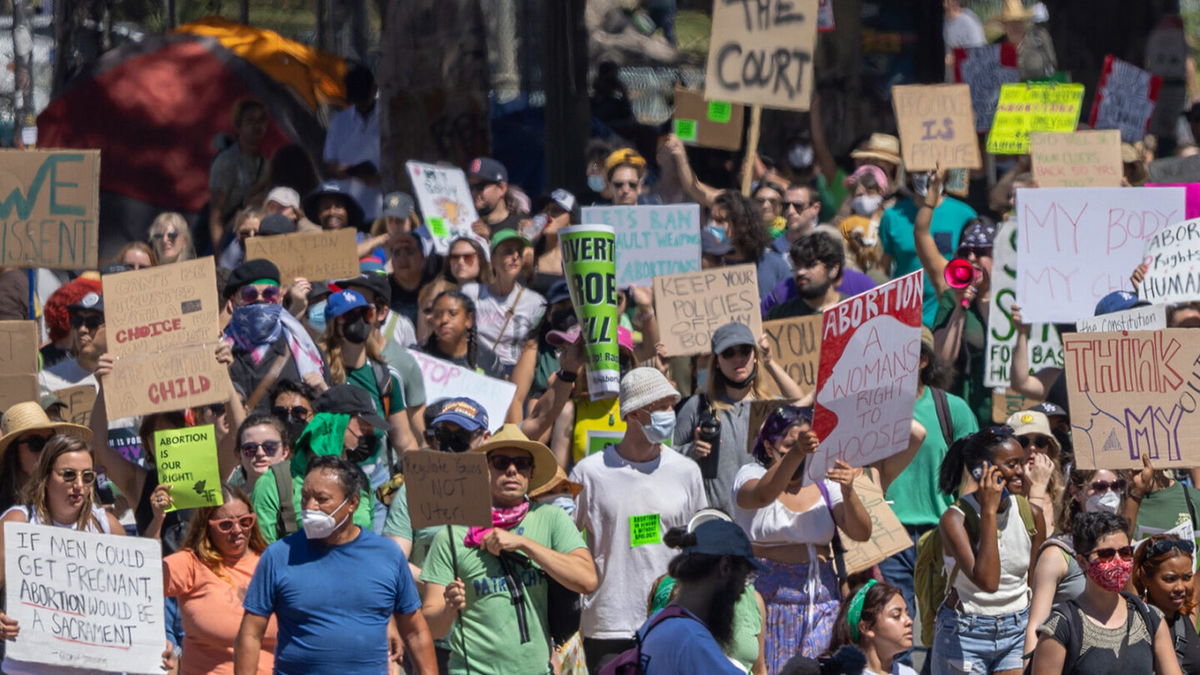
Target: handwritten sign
986, 69
937, 126
1151, 317
1175, 170
691, 306
18, 362
1125, 99
888, 536
184, 377
867, 380
1130, 395
1077, 159
84, 600
187, 461
79, 401
1045, 348
314, 256
445, 200
158, 308
651, 240
446, 380
795, 345
714, 124
1032, 106
1005, 402
1079, 244
762, 55
49, 208
448, 488
1173, 257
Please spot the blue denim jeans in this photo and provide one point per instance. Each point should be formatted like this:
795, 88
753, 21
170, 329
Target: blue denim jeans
971, 643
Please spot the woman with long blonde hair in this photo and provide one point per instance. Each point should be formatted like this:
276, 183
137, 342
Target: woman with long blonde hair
171, 238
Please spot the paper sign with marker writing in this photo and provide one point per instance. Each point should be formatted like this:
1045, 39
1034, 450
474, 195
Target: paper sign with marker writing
712, 124
446, 488
84, 601
888, 536
867, 380
1045, 348
445, 198
1079, 244
18, 362
187, 461
651, 240
158, 308
645, 529
937, 126
691, 306
447, 380
1131, 395
49, 208
1173, 260
763, 57
1153, 317
986, 69
180, 378
79, 401
1032, 106
1125, 99
795, 345
1077, 159
314, 256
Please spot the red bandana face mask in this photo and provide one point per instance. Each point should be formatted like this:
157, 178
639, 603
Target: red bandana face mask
1112, 575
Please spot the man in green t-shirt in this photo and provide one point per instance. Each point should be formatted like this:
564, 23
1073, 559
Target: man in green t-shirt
470, 573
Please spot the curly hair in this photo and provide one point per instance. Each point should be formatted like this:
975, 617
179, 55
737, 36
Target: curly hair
57, 318
969, 451
1150, 556
746, 233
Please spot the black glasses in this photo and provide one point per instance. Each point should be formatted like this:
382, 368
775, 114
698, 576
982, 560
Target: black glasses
297, 411
216, 409
979, 252
1126, 553
71, 475
169, 236
618, 184
33, 443
1117, 486
91, 321
1039, 442
799, 206
1158, 547
737, 351
269, 448
227, 524
251, 294
502, 462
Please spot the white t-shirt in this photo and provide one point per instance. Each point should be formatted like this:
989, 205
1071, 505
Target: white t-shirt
777, 524
897, 669
616, 494
353, 139
492, 312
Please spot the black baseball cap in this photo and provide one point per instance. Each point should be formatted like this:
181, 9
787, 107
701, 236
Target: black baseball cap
372, 281
721, 537
488, 170
276, 223
334, 189
350, 400
92, 301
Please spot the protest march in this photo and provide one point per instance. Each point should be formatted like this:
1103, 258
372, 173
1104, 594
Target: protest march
747, 376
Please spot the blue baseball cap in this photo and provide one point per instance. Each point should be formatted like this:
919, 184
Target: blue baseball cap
1118, 301
463, 411
558, 293
721, 537
341, 302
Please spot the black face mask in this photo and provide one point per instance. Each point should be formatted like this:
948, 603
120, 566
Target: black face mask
562, 319
363, 449
294, 426
746, 382
453, 440
356, 331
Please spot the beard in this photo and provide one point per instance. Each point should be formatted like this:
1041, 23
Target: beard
720, 609
813, 291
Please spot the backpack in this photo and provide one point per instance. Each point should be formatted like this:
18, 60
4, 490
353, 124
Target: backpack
285, 519
931, 584
1074, 618
629, 662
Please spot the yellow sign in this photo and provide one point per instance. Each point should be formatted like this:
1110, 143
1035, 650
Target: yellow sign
1026, 107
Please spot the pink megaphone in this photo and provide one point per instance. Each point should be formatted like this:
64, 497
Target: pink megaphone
959, 274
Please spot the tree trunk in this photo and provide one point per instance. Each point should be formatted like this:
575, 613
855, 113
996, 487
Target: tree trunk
568, 110
22, 37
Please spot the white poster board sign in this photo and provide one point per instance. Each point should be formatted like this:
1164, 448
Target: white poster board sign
1079, 244
92, 601
651, 240
1173, 259
447, 380
446, 203
1153, 317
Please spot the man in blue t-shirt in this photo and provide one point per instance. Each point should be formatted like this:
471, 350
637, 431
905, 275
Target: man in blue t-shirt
333, 588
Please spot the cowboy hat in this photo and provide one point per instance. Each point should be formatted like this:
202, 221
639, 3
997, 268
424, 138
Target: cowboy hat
559, 484
29, 416
511, 436
883, 147
1014, 11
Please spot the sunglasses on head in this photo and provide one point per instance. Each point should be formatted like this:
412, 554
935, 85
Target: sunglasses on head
618, 184
1039, 442
33, 443
1126, 553
502, 462
297, 411
91, 321
737, 351
269, 448
242, 522
251, 294
996, 433
71, 475
1158, 547
169, 236
1117, 486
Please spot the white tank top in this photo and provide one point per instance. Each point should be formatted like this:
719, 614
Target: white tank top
98, 514
1014, 545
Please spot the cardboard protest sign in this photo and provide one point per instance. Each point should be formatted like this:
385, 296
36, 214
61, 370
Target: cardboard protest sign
937, 126
447, 488
184, 377
763, 56
445, 199
1079, 244
1173, 258
158, 308
49, 208
1132, 394
1005, 402
867, 380
795, 345
187, 461
1045, 348
1077, 159
986, 69
18, 362
79, 401
888, 536
1175, 170
1032, 106
315, 256
651, 240
94, 601
447, 380
590, 264
691, 306
1125, 99
706, 124
1151, 317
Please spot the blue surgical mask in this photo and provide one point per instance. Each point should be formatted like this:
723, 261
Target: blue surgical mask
596, 182
661, 427
316, 316
721, 234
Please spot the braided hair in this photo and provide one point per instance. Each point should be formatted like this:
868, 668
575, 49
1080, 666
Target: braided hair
468, 306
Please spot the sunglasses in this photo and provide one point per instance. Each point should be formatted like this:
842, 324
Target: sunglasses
34, 443
169, 236
618, 184
91, 321
1117, 486
251, 294
1161, 546
480, 187
269, 448
1039, 442
464, 257
71, 475
1126, 553
799, 206
983, 251
242, 522
502, 462
216, 409
737, 351
296, 411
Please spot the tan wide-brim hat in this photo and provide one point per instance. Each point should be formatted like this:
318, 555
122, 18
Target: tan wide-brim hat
560, 484
29, 416
1027, 422
1014, 11
511, 436
883, 147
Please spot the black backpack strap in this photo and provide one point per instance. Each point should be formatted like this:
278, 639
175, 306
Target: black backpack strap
1150, 618
945, 420
285, 520
383, 382
1074, 616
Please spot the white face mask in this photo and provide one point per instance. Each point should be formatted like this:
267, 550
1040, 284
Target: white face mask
661, 427
1105, 502
865, 205
318, 524
800, 156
